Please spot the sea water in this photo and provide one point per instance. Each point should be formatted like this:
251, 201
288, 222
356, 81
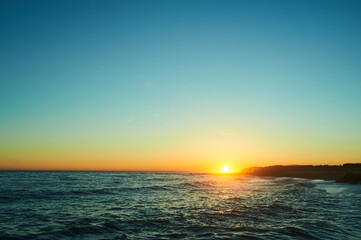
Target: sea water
143, 205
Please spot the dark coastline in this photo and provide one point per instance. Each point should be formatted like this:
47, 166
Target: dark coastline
346, 173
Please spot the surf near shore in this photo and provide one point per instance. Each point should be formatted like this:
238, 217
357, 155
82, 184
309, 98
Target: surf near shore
346, 173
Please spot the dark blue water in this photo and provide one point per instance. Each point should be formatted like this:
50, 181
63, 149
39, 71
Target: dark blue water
122, 205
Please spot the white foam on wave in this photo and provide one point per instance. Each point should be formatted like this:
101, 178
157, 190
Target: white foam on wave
330, 186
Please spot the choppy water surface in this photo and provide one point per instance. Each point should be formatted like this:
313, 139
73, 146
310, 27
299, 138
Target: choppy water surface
124, 205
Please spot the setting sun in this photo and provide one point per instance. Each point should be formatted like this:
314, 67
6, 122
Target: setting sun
225, 168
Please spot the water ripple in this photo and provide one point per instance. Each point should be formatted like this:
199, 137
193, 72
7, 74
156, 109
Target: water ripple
121, 205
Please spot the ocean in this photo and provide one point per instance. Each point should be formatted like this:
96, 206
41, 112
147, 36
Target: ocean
159, 205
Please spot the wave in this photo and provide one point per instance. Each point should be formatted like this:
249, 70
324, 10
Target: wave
152, 206
199, 184
293, 231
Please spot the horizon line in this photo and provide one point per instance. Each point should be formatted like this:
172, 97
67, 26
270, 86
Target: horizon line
188, 171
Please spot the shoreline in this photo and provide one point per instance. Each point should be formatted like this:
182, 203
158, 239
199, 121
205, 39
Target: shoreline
346, 173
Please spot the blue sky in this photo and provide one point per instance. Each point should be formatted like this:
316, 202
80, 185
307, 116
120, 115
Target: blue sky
153, 72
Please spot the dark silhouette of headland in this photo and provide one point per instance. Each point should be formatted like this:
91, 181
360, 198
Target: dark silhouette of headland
346, 173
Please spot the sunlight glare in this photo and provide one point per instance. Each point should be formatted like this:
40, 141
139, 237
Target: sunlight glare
225, 168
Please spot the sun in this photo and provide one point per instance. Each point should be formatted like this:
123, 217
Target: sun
225, 169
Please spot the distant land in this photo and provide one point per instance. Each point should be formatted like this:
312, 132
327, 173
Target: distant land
346, 173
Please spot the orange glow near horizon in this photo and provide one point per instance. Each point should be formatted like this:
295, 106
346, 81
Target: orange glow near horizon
189, 153
114, 163
180, 162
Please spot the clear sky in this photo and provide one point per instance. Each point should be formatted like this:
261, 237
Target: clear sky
179, 85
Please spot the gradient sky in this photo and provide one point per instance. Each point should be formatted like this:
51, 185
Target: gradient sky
179, 85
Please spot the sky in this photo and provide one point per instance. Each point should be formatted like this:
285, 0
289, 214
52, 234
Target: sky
179, 85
